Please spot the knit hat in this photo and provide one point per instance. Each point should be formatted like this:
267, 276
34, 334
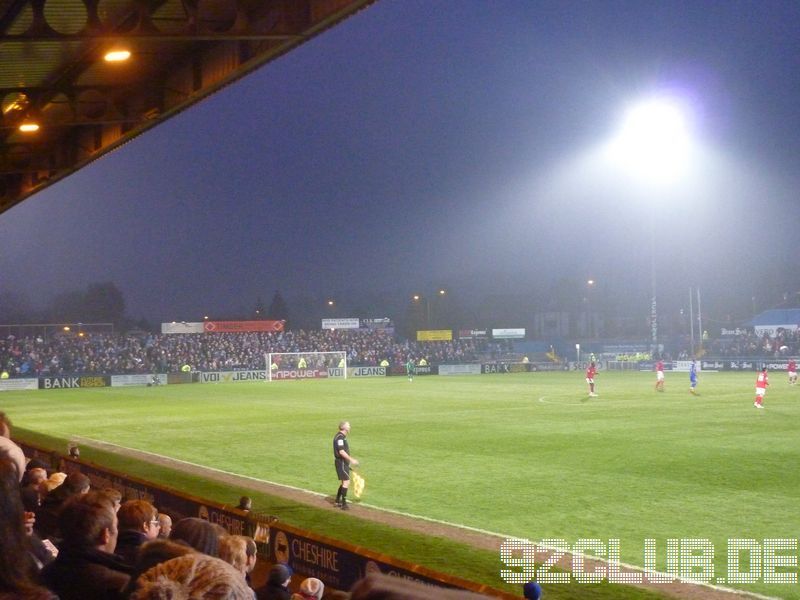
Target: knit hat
532, 590
192, 576
197, 533
279, 573
312, 588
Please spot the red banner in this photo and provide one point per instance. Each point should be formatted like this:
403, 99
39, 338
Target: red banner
241, 326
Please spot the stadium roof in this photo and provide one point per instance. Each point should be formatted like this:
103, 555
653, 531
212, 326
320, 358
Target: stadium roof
53, 73
776, 318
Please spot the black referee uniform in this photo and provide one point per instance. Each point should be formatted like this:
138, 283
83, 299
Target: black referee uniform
342, 466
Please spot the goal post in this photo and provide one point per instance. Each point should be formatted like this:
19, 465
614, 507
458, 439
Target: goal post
306, 365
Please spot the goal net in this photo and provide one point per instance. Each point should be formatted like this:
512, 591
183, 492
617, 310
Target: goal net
306, 365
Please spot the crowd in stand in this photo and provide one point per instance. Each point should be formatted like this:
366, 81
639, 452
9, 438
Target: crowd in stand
95, 353
784, 342
62, 539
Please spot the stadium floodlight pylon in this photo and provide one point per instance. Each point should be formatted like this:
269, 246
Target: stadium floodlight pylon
306, 365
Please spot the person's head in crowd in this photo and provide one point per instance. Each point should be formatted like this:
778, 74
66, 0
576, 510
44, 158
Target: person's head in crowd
245, 503
311, 589
34, 476
532, 590
252, 552
76, 484
74, 451
55, 480
115, 496
166, 525
280, 576
5, 425
233, 550
16, 571
139, 516
37, 463
197, 533
154, 553
194, 575
9, 449
157, 551
89, 521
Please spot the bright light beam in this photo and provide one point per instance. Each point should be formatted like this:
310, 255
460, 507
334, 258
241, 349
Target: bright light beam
654, 142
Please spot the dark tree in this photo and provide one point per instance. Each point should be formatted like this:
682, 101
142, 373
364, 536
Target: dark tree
278, 310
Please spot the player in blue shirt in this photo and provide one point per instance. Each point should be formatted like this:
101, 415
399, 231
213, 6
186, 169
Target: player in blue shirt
693, 378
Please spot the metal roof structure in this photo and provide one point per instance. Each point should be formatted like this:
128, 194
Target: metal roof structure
54, 73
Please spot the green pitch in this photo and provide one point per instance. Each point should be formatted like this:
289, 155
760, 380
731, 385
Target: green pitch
525, 455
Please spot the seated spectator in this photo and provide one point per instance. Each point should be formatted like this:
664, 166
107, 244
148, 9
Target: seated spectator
233, 550
138, 523
154, 553
311, 589
75, 484
115, 496
17, 568
197, 533
86, 568
194, 575
277, 585
165, 522
9, 449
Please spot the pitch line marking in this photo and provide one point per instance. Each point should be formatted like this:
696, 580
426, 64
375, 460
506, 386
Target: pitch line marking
544, 400
504, 536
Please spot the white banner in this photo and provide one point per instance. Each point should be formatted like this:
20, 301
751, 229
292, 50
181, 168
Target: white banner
686, 365
182, 327
126, 380
18, 384
459, 369
508, 333
231, 376
340, 323
366, 371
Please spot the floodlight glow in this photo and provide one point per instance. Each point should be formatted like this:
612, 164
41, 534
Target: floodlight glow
29, 127
120, 55
654, 141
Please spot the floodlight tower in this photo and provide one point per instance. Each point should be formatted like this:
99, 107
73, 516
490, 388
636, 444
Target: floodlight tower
654, 144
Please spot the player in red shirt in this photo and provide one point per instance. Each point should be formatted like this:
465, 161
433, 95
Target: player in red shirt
792, 370
660, 376
590, 373
761, 388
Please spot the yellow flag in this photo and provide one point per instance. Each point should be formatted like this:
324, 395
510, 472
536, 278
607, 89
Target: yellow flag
358, 484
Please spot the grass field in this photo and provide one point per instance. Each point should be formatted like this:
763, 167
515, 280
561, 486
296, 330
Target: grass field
524, 455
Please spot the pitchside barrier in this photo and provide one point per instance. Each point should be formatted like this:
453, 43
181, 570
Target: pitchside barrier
338, 564
487, 368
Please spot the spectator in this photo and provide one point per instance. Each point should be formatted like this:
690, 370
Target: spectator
532, 591
233, 550
138, 523
197, 533
154, 553
47, 521
311, 589
194, 575
86, 568
277, 585
9, 449
17, 567
165, 525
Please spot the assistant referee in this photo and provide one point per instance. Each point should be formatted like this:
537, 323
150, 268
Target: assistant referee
342, 462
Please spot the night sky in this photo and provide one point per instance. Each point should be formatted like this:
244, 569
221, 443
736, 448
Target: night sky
454, 143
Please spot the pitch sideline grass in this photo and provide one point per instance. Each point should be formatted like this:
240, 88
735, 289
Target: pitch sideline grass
524, 455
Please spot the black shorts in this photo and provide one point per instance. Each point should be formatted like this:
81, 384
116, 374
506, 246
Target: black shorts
342, 469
